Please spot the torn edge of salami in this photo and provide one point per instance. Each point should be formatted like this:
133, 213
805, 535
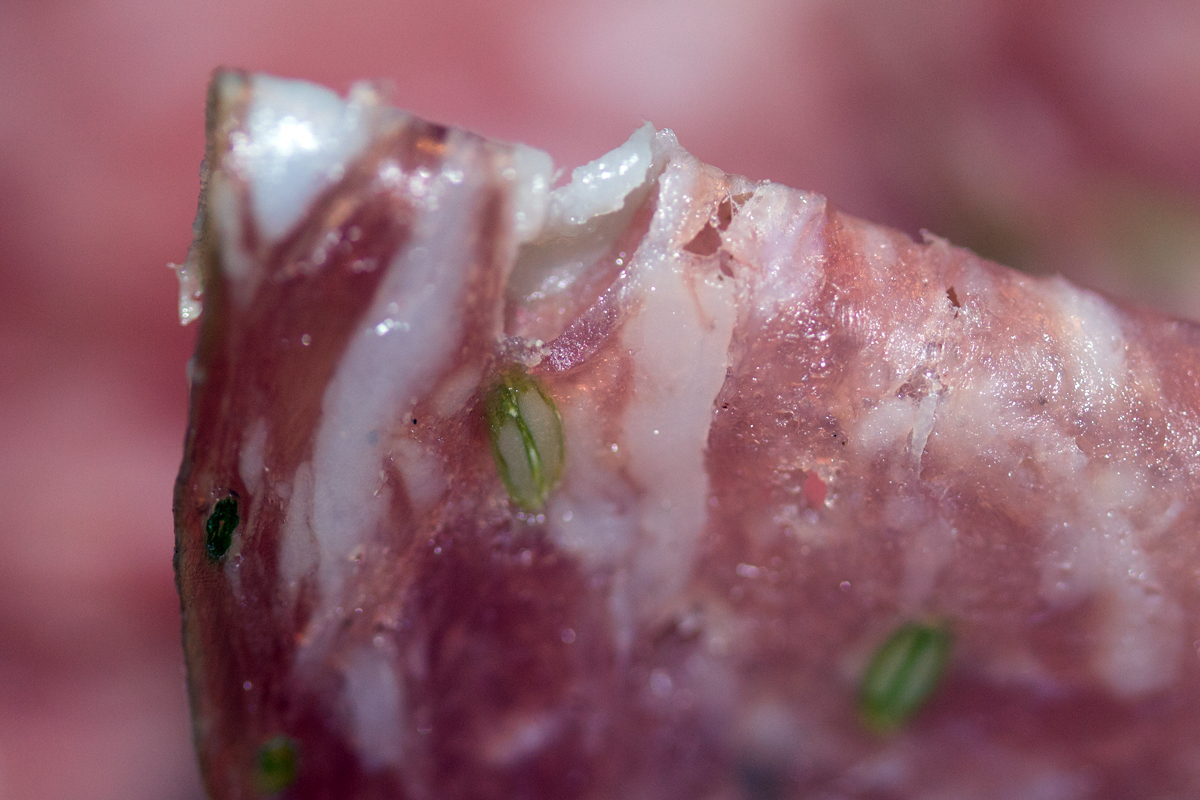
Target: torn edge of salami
786, 434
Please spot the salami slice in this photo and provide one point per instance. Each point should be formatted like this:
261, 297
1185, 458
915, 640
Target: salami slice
660, 483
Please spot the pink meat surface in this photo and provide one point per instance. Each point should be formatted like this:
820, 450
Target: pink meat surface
788, 432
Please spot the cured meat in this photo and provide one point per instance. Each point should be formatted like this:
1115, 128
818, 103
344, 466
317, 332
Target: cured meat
660, 484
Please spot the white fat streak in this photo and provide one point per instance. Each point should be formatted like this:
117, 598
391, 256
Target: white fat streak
601, 186
929, 550
898, 428
521, 735
679, 340
250, 459
225, 209
250, 470
530, 174
1142, 642
592, 513
1141, 633
296, 142
1140, 636
894, 421
984, 411
1095, 344
778, 230
456, 390
678, 336
297, 543
930, 543
1138, 644
376, 704
923, 426
1100, 553
422, 294
985, 423
421, 471
910, 328
889, 422
414, 327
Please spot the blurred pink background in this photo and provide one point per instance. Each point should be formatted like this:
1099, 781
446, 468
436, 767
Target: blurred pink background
1061, 136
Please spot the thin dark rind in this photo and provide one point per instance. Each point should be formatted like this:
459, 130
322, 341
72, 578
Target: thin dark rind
207, 256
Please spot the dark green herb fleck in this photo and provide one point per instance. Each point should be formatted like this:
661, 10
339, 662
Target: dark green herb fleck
220, 527
903, 674
275, 766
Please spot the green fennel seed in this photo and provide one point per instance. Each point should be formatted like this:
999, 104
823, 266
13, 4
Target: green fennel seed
220, 527
527, 438
902, 675
275, 766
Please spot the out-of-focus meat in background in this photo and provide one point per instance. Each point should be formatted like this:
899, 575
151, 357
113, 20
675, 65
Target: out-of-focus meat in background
1061, 136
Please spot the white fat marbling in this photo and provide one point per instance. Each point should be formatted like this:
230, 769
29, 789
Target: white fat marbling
637, 505
923, 425
930, 549
296, 141
1139, 641
421, 471
375, 701
1100, 554
250, 459
679, 341
983, 421
600, 187
421, 298
779, 230
886, 426
226, 209
414, 325
564, 253
531, 174
1093, 343
897, 424
297, 544
979, 422
456, 390
1141, 635
578, 222
592, 514
522, 735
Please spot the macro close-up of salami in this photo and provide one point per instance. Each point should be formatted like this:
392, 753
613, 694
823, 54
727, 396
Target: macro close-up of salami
645, 480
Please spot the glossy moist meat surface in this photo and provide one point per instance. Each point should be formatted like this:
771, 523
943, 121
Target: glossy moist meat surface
787, 434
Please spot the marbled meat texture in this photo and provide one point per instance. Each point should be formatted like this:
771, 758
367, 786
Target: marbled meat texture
788, 432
